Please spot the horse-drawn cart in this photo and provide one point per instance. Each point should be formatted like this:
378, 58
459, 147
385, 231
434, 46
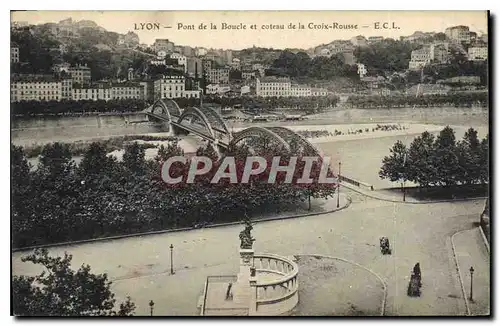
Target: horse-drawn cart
384, 246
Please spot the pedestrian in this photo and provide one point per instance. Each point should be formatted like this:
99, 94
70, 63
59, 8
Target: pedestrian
416, 270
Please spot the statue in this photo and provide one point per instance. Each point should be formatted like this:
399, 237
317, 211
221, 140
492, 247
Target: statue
246, 240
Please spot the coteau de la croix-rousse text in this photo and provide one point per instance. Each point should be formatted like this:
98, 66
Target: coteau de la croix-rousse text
317, 26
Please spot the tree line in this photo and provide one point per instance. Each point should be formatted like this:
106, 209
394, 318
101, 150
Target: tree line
439, 161
273, 102
465, 99
69, 107
101, 196
301, 65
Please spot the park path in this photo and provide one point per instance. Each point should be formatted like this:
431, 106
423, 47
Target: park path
471, 251
398, 198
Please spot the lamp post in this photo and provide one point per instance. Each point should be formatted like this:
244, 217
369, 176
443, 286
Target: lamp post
471, 270
151, 306
404, 177
338, 187
171, 259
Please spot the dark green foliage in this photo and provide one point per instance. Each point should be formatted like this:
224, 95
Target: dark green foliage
103, 197
440, 161
388, 55
398, 100
300, 65
69, 107
394, 166
61, 291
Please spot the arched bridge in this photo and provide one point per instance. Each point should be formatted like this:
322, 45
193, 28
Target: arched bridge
202, 121
209, 125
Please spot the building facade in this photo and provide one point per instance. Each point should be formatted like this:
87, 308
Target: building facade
458, 33
419, 58
273, 86
169, 87
80, 74
163, 44
300, 91
478, 53
14, 53
361, 70
181, 60
127, 91
194, 67
218, 75
319, 92
35, 88
359, 41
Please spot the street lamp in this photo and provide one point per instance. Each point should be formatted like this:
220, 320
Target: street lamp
404, 177
471, 270
171, 259
151, 306
338, 187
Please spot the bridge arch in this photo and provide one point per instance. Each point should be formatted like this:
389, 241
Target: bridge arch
197, 113
293, 137
260, 132
167, 107
215, 119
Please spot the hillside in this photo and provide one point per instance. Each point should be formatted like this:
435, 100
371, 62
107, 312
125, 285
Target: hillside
43, 46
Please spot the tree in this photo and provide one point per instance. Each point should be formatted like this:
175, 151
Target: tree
134, 157
172, 149
484, 160
393, 166
421, 155
95, 160
56, 160
446, 159
469, 153
60, 291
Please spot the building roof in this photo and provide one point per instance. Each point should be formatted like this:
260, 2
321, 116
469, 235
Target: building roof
274, 79
34, 78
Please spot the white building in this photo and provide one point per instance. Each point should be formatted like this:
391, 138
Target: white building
191, 94
35, 88
219, 89
458, 33
14, 53
123, 91
169, 87
218, 75
359, 41
248, 75
236, 64
419, 58
200, 52
300, 91
319, 92
478, 53
181, 60
361, 70
245, 90
80, 74
273, 86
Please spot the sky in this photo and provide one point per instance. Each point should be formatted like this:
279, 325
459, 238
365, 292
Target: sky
400, 23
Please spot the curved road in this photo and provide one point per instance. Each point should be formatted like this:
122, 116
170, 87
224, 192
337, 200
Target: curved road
140, 267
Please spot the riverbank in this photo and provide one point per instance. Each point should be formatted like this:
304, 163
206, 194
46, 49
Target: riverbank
43, 130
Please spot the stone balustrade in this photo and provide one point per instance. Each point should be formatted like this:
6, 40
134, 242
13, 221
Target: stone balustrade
275, 287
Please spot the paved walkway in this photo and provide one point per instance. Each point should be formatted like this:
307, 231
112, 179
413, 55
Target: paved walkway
396, 198
470, 251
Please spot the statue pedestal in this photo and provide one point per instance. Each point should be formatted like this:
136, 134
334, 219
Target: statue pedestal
242, 286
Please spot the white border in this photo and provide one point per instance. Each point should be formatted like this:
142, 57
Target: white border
182, 5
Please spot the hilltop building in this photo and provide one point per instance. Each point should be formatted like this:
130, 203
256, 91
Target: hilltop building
458, 33
14, 53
